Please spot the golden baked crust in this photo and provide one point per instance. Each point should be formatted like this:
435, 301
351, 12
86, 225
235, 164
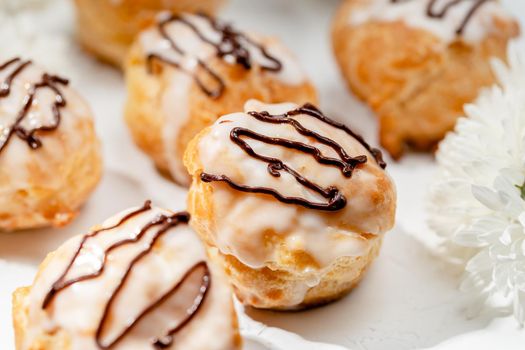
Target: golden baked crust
59, 340
277, 284
145, 93
20, 311
273, 289
416, 85
107, 27
57, 184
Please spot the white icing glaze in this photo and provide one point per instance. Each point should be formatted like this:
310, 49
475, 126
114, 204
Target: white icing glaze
325, 236
176, 112
176, 95
77, 310
414, 14
17, 156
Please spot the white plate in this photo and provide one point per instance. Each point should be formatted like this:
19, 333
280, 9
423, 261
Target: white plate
408, 300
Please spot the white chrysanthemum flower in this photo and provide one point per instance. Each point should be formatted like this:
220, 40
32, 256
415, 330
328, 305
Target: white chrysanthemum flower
478, 202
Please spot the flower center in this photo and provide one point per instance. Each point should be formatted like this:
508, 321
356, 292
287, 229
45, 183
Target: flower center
522, 190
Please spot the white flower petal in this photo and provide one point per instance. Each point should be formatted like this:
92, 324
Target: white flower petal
521, 219
519, 305
487, 197
501, 277
480, 262
476, 204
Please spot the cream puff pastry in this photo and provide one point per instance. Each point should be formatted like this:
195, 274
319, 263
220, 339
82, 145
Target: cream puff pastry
417, 62
295, 202
107, 27
187, 70
49, 154
141, 280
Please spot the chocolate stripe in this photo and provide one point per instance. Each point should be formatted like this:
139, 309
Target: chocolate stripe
232, 44
48, 81
164, 224
345, 163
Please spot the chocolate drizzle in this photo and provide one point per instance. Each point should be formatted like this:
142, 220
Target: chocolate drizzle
232, 44
345, 163
432, 12
167, 340
164, 224
48, 81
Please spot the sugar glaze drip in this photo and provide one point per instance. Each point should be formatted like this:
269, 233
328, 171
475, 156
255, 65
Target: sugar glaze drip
48, 81
232, 44
164, 224
345, 163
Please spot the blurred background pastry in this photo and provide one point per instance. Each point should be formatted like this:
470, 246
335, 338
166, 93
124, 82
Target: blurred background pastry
107, 27
187, 70
50, 158
296, 203
141, 280
417, 62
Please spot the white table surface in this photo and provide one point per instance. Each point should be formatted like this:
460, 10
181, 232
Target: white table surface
408, 300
